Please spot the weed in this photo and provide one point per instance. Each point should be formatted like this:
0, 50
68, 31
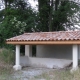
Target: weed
6, 56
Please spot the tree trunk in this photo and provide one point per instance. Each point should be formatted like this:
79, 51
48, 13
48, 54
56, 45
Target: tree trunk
56, 4
50, 16
5, 4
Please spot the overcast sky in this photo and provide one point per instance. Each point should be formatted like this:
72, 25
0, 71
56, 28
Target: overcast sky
32, 2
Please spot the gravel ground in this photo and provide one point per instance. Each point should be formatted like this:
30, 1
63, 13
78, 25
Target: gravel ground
29, 73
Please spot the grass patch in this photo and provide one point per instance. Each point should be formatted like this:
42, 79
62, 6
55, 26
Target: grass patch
49, 75
63, 75
6, 56
43, 76
66, 75
59, 75
6, 61
5, 73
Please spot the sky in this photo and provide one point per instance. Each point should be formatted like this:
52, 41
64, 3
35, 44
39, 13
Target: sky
1, 5
32, 2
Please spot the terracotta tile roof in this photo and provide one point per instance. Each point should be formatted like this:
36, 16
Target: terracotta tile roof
48, 36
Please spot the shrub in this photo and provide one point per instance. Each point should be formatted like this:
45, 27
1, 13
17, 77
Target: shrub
7, 56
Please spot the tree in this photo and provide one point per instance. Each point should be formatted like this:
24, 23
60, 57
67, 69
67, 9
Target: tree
57, 15
44, 11
16, 20
8, 2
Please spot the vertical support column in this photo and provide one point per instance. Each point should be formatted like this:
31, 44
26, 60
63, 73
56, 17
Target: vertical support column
75, 57
17, 65
28, 50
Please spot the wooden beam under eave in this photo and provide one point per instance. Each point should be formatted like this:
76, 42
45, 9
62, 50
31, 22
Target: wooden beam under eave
42, 42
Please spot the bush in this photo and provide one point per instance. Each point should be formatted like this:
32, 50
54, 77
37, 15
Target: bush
7, 56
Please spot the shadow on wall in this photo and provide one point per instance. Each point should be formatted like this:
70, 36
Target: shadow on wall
54, 51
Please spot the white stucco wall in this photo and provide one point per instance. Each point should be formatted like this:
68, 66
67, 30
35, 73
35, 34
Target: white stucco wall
54, 51
44, 62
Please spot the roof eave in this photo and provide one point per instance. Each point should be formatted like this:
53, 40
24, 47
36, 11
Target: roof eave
42, 42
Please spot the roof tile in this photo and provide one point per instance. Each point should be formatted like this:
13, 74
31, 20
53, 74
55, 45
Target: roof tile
47, 36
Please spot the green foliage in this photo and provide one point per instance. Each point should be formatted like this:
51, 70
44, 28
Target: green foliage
7, 56
15, 21
57, 15
44, 10
65, 11
18, 26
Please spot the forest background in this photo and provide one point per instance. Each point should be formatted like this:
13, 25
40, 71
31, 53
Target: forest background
19, 17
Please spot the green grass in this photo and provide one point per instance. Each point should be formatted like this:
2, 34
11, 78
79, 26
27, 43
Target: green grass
59, 75
6, 61
5, 73
6, 56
